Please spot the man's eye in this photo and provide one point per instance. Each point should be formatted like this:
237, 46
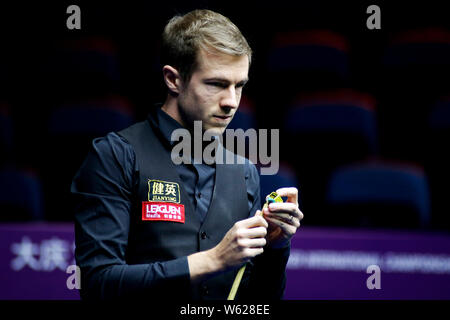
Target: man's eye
217, 84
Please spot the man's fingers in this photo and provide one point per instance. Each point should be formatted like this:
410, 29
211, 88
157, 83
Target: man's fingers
252, 243
291, 193
289, 219
288, 229
255, 221
253, 252
257, 232
285, 207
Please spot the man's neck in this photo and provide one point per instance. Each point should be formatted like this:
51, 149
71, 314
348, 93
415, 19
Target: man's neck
171, 108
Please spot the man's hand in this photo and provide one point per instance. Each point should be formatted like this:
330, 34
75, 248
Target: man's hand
284, 218
242, 242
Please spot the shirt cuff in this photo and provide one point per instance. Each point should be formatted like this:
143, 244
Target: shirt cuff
178, 269
277, 253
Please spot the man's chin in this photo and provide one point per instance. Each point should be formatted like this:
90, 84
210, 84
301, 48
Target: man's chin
215, 131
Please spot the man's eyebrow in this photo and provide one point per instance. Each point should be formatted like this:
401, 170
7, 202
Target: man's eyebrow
224, 80
243, 82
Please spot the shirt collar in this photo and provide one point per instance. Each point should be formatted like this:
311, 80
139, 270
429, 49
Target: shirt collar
164, 123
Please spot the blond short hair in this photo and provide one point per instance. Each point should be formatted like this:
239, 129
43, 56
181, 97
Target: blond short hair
185, 35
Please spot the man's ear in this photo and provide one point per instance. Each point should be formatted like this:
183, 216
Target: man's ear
172, 79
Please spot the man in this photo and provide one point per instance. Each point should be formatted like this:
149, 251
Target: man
148, 228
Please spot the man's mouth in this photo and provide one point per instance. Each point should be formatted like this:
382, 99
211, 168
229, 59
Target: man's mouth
222, 117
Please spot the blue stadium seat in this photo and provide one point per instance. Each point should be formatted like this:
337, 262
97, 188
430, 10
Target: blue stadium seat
71, 129
439, 117
386, 193
315, 52
437, 160
429, 47
91, 55
92, 117
325, 130
6, 133
302, 60
21, 197
4, 75
341, 111
82, 67
414, 66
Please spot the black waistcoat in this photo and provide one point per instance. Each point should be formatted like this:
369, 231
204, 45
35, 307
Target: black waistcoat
153, 241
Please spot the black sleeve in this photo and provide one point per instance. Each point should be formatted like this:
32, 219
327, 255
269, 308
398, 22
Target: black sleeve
266, 273
101, 194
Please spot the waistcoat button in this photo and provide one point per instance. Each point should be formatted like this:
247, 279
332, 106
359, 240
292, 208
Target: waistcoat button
205, 290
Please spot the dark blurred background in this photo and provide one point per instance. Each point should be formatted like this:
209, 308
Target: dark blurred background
364, 115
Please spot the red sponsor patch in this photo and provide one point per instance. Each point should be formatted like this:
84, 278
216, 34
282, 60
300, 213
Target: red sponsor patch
162, 211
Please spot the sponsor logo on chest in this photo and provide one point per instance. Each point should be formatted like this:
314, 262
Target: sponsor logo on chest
159, 190
163, 202
162, 211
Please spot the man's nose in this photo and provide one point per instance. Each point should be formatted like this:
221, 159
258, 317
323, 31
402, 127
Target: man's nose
230, 98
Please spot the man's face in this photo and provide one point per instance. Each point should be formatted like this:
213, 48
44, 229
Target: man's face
213, 93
